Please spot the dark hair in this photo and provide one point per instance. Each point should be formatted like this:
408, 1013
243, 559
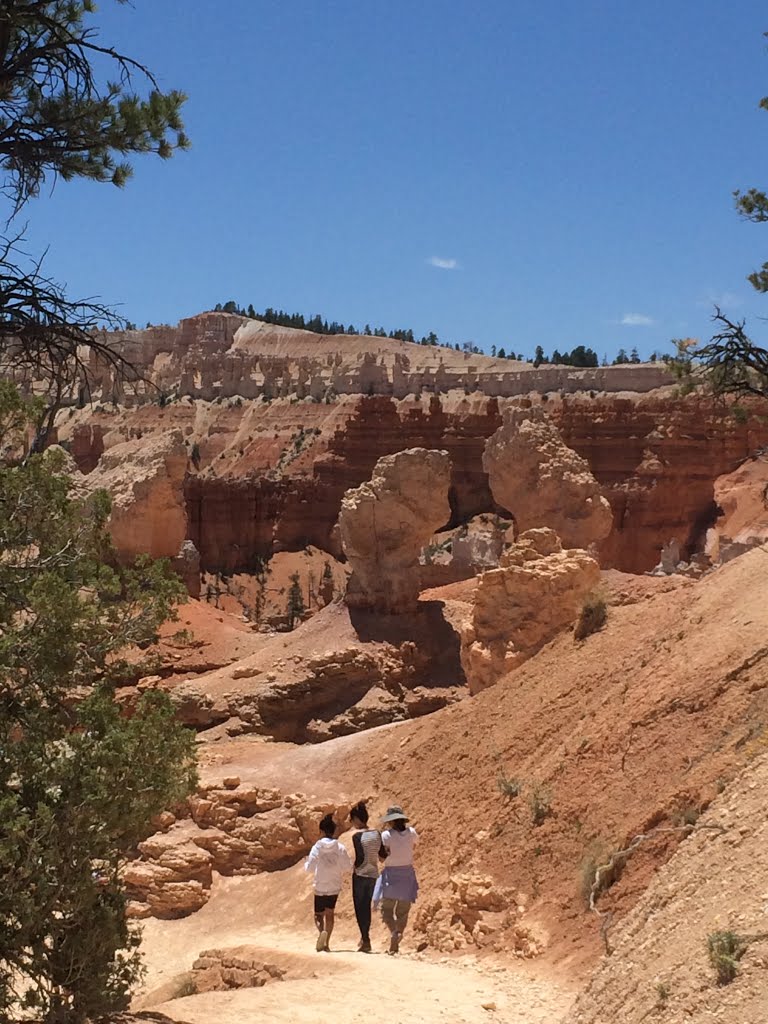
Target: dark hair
359, 811
399, 824
328, 825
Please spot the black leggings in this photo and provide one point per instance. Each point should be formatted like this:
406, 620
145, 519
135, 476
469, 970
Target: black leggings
362, 894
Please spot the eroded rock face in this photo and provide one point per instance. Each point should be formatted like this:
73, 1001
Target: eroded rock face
384, 524
187, 565
232, 829
171, 878
543, 482
537, 591
742, 497
145, 479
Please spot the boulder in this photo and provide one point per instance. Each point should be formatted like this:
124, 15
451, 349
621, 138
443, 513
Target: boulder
234, 831
172, 878
537, 591
384, 524
542, 482
477, 911
217, 970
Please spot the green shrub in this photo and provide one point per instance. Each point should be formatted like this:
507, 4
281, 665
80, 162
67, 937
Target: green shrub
592, 618
725, 949
740, 414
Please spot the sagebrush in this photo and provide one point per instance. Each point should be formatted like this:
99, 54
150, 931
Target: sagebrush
593, 616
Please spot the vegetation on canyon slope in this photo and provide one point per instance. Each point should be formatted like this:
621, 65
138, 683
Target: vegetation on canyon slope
78, 781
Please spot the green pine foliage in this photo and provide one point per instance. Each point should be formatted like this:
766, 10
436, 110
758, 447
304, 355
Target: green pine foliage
578, 356
79, 781
319, 325
73, 125
295, 606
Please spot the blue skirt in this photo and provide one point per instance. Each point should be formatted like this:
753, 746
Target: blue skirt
396, 883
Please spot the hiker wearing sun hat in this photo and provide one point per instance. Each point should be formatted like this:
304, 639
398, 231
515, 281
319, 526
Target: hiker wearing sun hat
397, 886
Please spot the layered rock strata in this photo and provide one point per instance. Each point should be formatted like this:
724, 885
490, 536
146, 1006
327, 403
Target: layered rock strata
657, 458
145, 479
338, 673
219, 355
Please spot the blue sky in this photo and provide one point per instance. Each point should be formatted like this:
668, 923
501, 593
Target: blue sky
508, 172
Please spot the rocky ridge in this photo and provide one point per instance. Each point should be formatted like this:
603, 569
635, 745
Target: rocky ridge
221, 355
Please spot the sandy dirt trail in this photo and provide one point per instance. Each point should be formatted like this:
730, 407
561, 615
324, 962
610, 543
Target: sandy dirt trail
274, 913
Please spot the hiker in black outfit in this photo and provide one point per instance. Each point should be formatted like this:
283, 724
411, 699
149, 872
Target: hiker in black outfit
368, 847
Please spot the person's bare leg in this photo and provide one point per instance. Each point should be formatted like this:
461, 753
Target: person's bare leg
330, 918
322, 939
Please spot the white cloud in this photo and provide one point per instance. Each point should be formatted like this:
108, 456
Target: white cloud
637, 320
443, 264
722, 299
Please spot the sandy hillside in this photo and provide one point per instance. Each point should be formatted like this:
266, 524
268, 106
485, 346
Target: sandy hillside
717, 881
523, 790
637, 726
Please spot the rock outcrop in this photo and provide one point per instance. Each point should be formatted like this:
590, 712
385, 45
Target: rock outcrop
218, 355
384, 524
537, 591
543, 482
218, 970
228, 827
145, 479
742, 503
476, 911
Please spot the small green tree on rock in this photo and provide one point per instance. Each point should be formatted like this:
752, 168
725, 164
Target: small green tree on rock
295, 607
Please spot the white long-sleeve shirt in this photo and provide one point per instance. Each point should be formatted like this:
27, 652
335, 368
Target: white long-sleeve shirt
329, 862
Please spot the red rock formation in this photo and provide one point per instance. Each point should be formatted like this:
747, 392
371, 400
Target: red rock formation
251, 492
656, 459
233, 520
536, 592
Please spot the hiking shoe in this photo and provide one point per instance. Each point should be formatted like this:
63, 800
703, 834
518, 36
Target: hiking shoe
394, 943
322, 942
364, 947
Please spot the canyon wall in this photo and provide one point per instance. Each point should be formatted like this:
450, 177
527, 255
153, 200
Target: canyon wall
655, 457
267, 470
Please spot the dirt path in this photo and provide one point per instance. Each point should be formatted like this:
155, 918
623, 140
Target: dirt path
273, 912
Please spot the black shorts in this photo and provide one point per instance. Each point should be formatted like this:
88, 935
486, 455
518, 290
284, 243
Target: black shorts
325, 903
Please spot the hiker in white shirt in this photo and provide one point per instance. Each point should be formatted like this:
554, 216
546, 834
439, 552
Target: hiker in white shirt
329, 862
